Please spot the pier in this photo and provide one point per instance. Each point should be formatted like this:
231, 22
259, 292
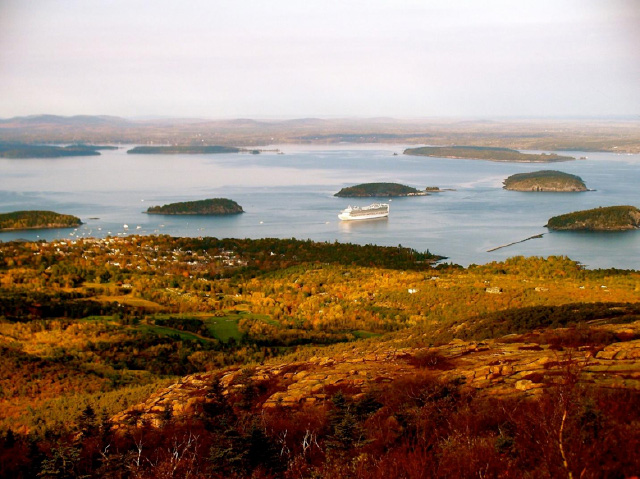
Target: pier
515, 242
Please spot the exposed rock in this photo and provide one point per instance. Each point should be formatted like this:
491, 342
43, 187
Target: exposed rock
493, 367
526, 385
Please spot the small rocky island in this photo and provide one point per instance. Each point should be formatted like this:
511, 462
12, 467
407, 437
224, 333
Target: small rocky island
184, 149
36, 219
485, 153
545, 180
213, 207
366, 190
610, 218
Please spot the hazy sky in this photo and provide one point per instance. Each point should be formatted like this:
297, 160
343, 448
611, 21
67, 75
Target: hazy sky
295, 58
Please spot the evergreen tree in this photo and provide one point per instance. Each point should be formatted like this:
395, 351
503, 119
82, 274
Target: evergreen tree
88, 422
61, 464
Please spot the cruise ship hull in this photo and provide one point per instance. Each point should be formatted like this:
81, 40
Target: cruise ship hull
372, 212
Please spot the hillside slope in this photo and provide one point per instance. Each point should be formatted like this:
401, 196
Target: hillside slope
524, 365
393, 411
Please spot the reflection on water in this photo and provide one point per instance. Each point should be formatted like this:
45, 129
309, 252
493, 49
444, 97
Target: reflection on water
291, 195
366, 227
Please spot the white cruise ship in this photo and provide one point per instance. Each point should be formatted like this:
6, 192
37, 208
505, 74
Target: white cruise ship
376, 210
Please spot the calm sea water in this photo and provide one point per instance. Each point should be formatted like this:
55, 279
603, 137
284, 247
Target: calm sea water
291, 195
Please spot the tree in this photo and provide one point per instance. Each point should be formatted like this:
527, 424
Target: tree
346, 432
87, 422
62, 464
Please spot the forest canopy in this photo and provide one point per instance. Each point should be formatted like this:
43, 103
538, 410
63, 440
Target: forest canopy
376, 190
545, 180
485, 153
36, 219
610, 218
213, 206
23, 150
182, 149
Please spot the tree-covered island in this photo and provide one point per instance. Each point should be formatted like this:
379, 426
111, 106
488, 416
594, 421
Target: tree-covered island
485, 153
23, 150
545, 180
213, 206
185, 150
365, 190
35, 219
610, 218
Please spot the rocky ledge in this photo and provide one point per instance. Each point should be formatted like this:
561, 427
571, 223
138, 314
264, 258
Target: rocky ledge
523, 365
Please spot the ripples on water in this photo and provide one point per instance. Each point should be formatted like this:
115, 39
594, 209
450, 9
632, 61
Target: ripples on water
291, 195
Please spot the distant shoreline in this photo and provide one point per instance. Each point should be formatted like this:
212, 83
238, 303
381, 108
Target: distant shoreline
187, 150
52, 227
500, 155
613, 135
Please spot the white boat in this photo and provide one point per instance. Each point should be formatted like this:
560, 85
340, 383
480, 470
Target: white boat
376, 210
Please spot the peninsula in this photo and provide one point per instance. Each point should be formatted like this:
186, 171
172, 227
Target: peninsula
23, 150
183, 149
365, 190
35, 219
485, 153
545, 180
610, 218
213, 207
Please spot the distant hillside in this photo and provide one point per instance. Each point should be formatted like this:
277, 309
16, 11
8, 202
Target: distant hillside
50, 120
20, 150
611, 218
214, 206
24, 220
546, 180
485, 153
618, 136
182, 149
378, 189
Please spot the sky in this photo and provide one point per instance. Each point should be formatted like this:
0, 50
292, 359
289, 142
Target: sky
320, 58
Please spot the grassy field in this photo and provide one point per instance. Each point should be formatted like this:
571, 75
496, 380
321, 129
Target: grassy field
223, 328
164, 331
365, 334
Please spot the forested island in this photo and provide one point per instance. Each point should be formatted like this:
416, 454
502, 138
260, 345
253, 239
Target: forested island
213, 206
36, 219
23, 150
485, 153
378, 190
545, 180
183, 149
610, 218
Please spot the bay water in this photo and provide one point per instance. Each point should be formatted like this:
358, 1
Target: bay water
289, 193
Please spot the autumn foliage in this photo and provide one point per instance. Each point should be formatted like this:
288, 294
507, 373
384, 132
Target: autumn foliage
90, 327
